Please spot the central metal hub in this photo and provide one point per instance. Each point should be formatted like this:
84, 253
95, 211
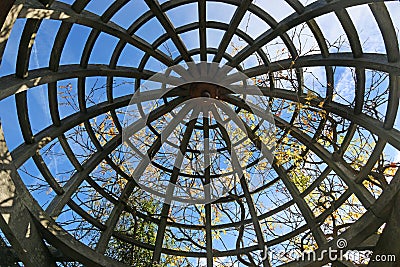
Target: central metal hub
205, 90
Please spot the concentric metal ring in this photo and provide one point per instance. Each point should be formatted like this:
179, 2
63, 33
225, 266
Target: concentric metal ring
334, 102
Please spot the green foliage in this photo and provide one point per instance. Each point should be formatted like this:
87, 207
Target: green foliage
140, 230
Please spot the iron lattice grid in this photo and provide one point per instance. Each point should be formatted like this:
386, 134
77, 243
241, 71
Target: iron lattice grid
366, 186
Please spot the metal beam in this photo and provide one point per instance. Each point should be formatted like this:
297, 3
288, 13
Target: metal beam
169, 28
64, 12
340, 168
389, 241
377, 62
56, 205
311, 11
261, 244
233, 25
10, 85
138, 172
172, 182
8, 16
202, 7
15, 220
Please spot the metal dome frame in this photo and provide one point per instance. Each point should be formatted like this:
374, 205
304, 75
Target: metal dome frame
20, 210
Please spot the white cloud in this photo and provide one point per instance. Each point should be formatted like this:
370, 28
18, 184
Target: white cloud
345, 86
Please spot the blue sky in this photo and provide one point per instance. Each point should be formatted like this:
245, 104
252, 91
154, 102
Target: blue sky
37, 97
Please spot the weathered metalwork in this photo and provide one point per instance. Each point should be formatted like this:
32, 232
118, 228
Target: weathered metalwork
320, 129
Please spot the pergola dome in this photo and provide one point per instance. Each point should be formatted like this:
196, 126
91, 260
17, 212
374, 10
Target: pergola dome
198, 133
